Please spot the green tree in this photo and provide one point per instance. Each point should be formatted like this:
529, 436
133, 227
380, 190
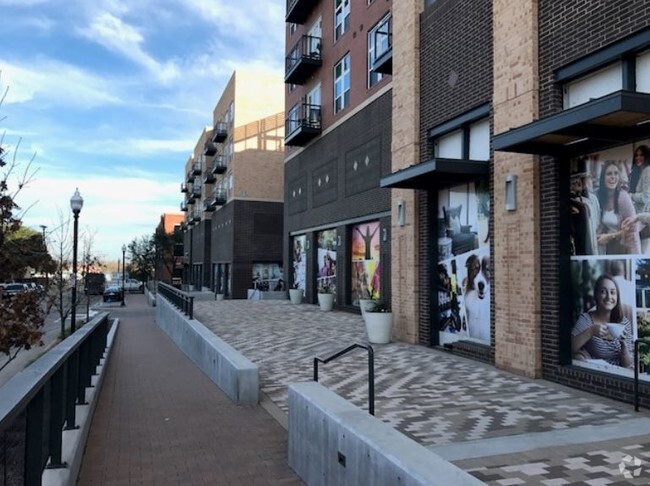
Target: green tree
164, 249
142, 258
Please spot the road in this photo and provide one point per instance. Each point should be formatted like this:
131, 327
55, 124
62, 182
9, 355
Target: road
51, 333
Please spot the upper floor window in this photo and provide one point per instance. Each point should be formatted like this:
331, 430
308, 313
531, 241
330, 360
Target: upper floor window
292, 28
595, 85
342, 84
377, 45
341, 17
470, 141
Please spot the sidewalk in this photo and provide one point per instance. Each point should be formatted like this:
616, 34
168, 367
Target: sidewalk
502, 428
160, 421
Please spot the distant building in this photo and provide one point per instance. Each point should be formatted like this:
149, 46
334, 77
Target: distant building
169, 261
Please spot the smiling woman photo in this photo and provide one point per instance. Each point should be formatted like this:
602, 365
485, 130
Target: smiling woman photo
592, 338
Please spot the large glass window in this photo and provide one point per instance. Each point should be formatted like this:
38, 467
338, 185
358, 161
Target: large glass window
378, 38
609, 214
464, 270
341, 17
342, 84
366, 269
326, 274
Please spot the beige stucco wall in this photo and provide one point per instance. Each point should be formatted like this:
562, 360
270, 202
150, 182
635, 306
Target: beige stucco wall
258, 175
258, 94
405, 259
516, 233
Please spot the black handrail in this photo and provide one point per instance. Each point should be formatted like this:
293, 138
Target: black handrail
180, 299
636, 370
38, 404
371, 370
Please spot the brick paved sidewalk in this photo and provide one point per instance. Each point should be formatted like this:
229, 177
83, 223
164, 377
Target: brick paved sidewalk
160, 421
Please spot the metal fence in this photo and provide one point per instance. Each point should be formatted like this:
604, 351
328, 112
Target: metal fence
182, 300
38, 404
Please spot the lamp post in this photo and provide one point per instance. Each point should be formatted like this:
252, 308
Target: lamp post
47, 284
76, 203
123, 272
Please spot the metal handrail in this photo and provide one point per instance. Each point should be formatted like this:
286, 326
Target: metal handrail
180, 299
636, 370
38, 404
371, 370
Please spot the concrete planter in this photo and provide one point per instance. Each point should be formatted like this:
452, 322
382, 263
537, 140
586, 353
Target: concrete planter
326, 301
220, 296
379, 326
364, 305
295, 296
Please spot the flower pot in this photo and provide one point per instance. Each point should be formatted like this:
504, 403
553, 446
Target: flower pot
379, 326
295, 296
364, 305
326, 301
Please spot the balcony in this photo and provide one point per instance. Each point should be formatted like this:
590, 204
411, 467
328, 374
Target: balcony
303, 60
219, 132
209, 178
196, 189
219, 196
196, 216
302, 124
189, 177
191, 197
183, 205
210, 148
299, 10
382, 44
183, 187
197, 168
209, 206
219, 164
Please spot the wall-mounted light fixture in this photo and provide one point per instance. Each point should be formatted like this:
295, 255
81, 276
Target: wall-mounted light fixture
511, 192
338, 240
307, 244
384, 234
401, 212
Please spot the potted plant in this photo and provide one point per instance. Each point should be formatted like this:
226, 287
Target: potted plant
379, 323
295, 294
326, 296
364, 304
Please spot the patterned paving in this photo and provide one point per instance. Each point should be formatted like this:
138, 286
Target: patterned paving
429, 395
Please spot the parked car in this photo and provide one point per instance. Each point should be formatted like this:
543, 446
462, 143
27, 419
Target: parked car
133, 285
13, 289
113, 293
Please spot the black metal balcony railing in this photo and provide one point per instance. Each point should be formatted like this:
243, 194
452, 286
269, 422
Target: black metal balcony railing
208, 205
302, 124
196, 189
196, 216
303, 60
183, 205
183, 187
189, 177
299, 10
39, 404
219, 164
210, 148
219, 196
197, 168
382, 43
209, 178
219, 132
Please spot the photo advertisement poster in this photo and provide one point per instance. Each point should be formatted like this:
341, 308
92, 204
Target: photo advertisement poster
366, 268
299, 262
268, 277
326, 259
609, 215
464, 270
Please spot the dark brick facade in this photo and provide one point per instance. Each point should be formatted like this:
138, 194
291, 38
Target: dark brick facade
569, 31
258, 239
335, 179
455, 77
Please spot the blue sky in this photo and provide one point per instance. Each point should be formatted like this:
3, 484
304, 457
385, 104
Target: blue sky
112, 96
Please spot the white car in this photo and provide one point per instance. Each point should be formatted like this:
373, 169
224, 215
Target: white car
133, 285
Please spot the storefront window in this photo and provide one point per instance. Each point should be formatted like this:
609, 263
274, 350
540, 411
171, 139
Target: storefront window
326, 273
463, 270
366, 269
268, 276
610, 252
299, 262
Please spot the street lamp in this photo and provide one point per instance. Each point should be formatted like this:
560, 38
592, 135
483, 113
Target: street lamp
123, 272
76, 203
47, 283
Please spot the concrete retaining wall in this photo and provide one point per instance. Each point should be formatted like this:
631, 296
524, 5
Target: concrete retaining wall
333, 442
236, 375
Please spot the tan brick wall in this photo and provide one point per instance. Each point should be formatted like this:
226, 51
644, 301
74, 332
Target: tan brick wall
257, 94
516, 233
258, 175
405, 152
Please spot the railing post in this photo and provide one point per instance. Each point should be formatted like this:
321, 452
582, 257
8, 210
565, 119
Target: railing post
71, 391
191, 313
56, 420
34, 440
82, 374
636, 375
371, 381
315, 369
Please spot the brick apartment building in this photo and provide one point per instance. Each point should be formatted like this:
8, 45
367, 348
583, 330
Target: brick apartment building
338, 138
234, 190
169, 263
516, 130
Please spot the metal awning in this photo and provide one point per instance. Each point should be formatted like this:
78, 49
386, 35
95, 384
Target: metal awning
615, 119
437, 172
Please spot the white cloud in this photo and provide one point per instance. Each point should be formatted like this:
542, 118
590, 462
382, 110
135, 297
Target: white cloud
119, 37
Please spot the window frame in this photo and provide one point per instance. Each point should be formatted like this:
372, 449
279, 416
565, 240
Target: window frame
341, 18
339, 80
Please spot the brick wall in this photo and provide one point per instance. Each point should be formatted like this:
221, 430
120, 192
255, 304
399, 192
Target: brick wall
596, 23
455, 76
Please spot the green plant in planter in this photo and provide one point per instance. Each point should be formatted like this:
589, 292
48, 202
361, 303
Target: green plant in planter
326, 288
378, 306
